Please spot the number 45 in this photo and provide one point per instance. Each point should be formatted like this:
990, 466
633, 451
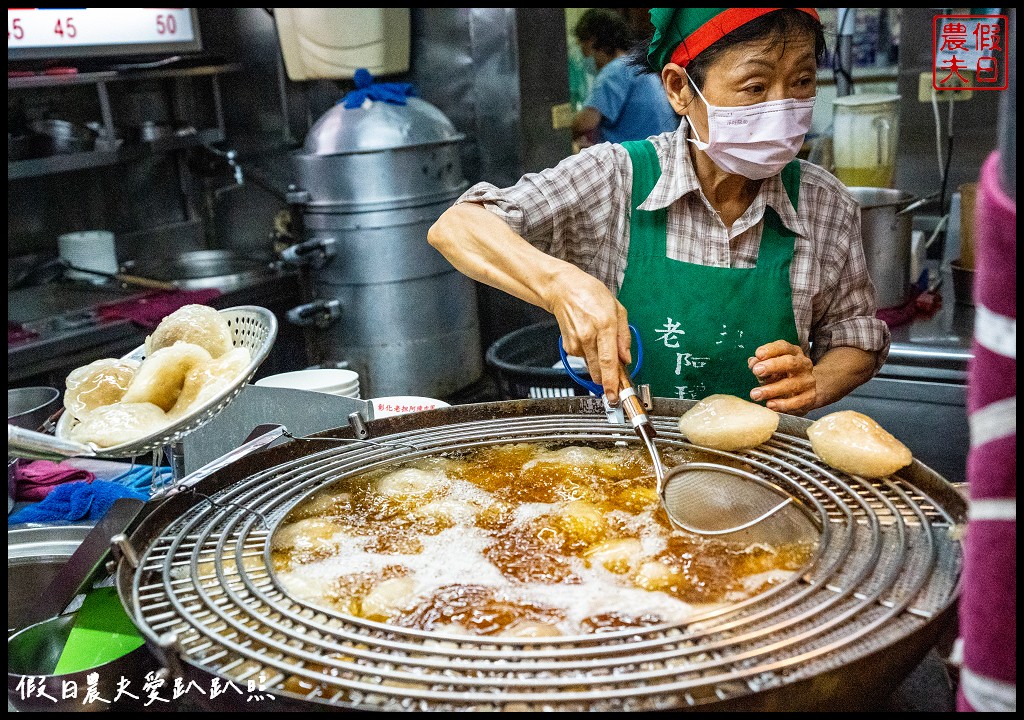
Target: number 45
68, 28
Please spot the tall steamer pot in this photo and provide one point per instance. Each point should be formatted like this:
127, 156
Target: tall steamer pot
369, 183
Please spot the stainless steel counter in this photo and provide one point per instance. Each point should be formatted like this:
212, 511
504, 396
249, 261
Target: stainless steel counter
920, 394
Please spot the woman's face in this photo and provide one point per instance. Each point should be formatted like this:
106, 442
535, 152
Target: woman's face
746, 74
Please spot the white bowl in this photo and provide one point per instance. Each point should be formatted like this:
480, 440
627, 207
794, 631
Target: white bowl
354, 387
403, 405
315, 379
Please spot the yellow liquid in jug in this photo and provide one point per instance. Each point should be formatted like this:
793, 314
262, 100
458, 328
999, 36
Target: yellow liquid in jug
878, 176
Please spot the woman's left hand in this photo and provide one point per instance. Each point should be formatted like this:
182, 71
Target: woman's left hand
787, 380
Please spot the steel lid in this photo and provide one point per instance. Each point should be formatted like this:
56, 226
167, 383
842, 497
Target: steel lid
379, 126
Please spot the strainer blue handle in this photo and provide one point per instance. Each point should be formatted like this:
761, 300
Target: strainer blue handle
593, 386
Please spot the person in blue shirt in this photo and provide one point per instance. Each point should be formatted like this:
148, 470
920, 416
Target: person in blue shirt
623, 104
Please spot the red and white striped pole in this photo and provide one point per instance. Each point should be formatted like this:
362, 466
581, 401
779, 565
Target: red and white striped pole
988, 605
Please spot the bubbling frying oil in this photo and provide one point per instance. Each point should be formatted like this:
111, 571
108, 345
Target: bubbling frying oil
522, 540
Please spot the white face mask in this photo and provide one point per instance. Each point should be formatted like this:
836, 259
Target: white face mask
755, 141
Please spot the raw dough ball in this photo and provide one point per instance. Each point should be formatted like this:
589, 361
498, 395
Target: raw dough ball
726, 422
204, 380
161, 377
99, 383
854, 443
197, 324
122, 422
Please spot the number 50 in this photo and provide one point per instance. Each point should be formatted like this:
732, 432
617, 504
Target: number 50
166, 25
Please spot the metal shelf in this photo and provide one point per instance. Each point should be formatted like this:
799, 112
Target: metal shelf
54, 164
102, 76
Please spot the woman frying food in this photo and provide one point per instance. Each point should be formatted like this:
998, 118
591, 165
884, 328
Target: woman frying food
740, 265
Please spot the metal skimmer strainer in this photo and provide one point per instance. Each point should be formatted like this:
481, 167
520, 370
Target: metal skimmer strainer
878, 592
708, 499
717, 500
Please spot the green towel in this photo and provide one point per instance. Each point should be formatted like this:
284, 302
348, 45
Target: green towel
102, 632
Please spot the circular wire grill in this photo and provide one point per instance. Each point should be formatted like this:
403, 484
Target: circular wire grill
204, 591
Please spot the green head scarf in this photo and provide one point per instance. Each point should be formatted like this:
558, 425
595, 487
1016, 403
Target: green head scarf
681, 34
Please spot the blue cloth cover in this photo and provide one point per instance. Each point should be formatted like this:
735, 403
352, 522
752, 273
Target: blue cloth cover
394, 93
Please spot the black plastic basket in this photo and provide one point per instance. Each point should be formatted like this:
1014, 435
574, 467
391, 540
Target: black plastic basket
523, 363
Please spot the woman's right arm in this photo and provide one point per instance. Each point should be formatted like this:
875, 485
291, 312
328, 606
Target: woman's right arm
593, 323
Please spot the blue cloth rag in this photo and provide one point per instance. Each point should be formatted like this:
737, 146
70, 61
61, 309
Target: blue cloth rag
140, 477
394, 93
76, 501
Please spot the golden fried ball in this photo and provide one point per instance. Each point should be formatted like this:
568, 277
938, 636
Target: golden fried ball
196, 324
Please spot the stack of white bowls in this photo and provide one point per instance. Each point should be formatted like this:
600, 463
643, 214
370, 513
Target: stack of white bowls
334, 381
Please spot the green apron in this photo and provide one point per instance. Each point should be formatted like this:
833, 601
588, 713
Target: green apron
699, 324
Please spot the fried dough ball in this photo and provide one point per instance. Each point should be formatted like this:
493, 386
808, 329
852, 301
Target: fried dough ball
726, 422
305, 534
854, 443
412, 484
204, 380
196, 324
99, 383
387, 598
656, 575
581, 522
119, 423
619, 555
532, 629
161, 377
574, 455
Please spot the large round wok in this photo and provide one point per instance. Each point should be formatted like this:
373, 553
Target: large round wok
879, 592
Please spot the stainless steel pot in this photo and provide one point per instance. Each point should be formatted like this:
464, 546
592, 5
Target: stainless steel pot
27, 408
369, 183
886, 229
879, 592
224, 270
35, 553
65, 136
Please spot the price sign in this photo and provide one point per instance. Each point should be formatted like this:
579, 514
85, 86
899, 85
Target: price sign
82, 27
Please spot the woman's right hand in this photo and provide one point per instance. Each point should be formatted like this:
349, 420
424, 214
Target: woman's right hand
593, 323
594, 326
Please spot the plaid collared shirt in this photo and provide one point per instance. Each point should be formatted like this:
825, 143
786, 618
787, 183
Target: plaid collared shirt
578, 211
